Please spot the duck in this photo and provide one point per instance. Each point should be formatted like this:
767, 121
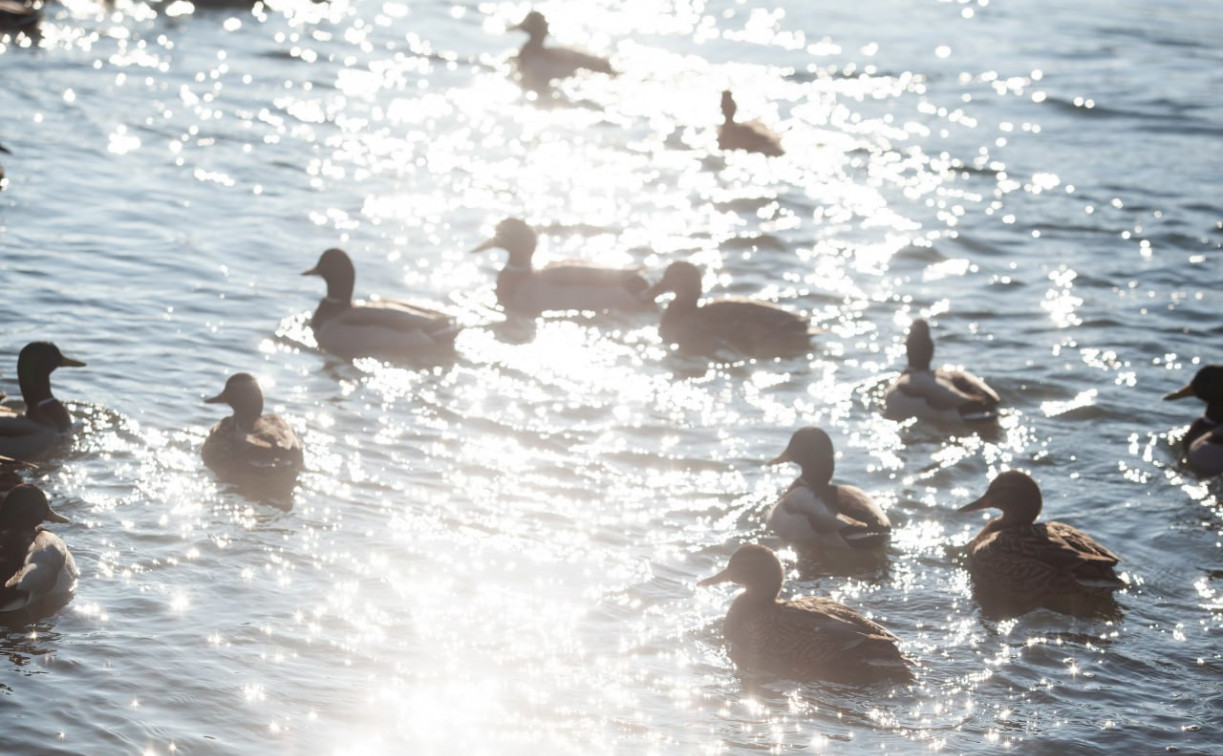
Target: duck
749, 136
754, 328
560, 286
249, 446
814, 512
807, 638
383, 328
35, 564
18, 16
3, 183
942, 396
1203, 442
1018, 557
25, 436
539, 65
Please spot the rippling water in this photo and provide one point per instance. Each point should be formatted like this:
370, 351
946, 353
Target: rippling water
498, 553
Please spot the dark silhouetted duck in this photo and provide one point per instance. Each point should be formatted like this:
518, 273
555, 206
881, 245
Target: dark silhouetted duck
750, 136
34, 564
249, 447
2, 185
558, 286
45, 419
18, 16
754, 328
808, 638
1014, 554
540, 65
814, 512
940, 396
1203, 442
383, 328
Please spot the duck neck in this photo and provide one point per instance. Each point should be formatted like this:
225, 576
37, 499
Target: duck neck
1214, 413
920, 352
40, 405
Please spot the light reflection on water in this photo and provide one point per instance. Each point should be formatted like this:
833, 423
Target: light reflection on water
498, 551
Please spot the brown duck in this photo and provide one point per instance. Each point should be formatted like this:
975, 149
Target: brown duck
1015, 554
754, 328
808, 638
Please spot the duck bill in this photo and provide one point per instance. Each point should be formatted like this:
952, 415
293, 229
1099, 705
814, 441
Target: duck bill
312, 272
781, 458
1180, 393
654, 292
490, 244
69, 362
721, 577
974, 506
218, 399
53, 516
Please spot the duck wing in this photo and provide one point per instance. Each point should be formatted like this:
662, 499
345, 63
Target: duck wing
818, 638
1205, 450
581, 273
274, 443
751, 136
49, 569
1044, 558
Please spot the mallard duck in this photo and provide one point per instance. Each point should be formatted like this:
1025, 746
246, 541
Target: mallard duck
18, 16
808, 638
750, 136
940, 396
539, 66
249, 447
382, 328
814, 512
1203, 442
34, 563
1015, 555
754, 328
45, 419
559, 286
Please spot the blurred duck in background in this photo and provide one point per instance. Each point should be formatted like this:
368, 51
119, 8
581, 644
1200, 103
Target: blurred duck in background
539, 65
559, 286
1203, 442
750, 136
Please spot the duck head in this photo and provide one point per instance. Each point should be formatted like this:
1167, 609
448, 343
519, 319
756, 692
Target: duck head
241, 392
26, 507
516, 237
919, 347
729, 108
1015, 493
35, 363
335, 267
811, 449
535, 25
754, 567
1206, 385
681, 278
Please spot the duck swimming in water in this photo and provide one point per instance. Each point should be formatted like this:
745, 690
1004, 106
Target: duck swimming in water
249, 447
34, 564
16, 16
808, 638
814, 512
754, 328
539, 65
749, 136
558, 286
1015, 555
45, 419
383, 328
944, 395
1203, 442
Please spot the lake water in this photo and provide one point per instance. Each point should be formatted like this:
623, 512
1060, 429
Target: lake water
498, 554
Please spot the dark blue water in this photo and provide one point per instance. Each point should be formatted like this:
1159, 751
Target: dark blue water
498, 553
